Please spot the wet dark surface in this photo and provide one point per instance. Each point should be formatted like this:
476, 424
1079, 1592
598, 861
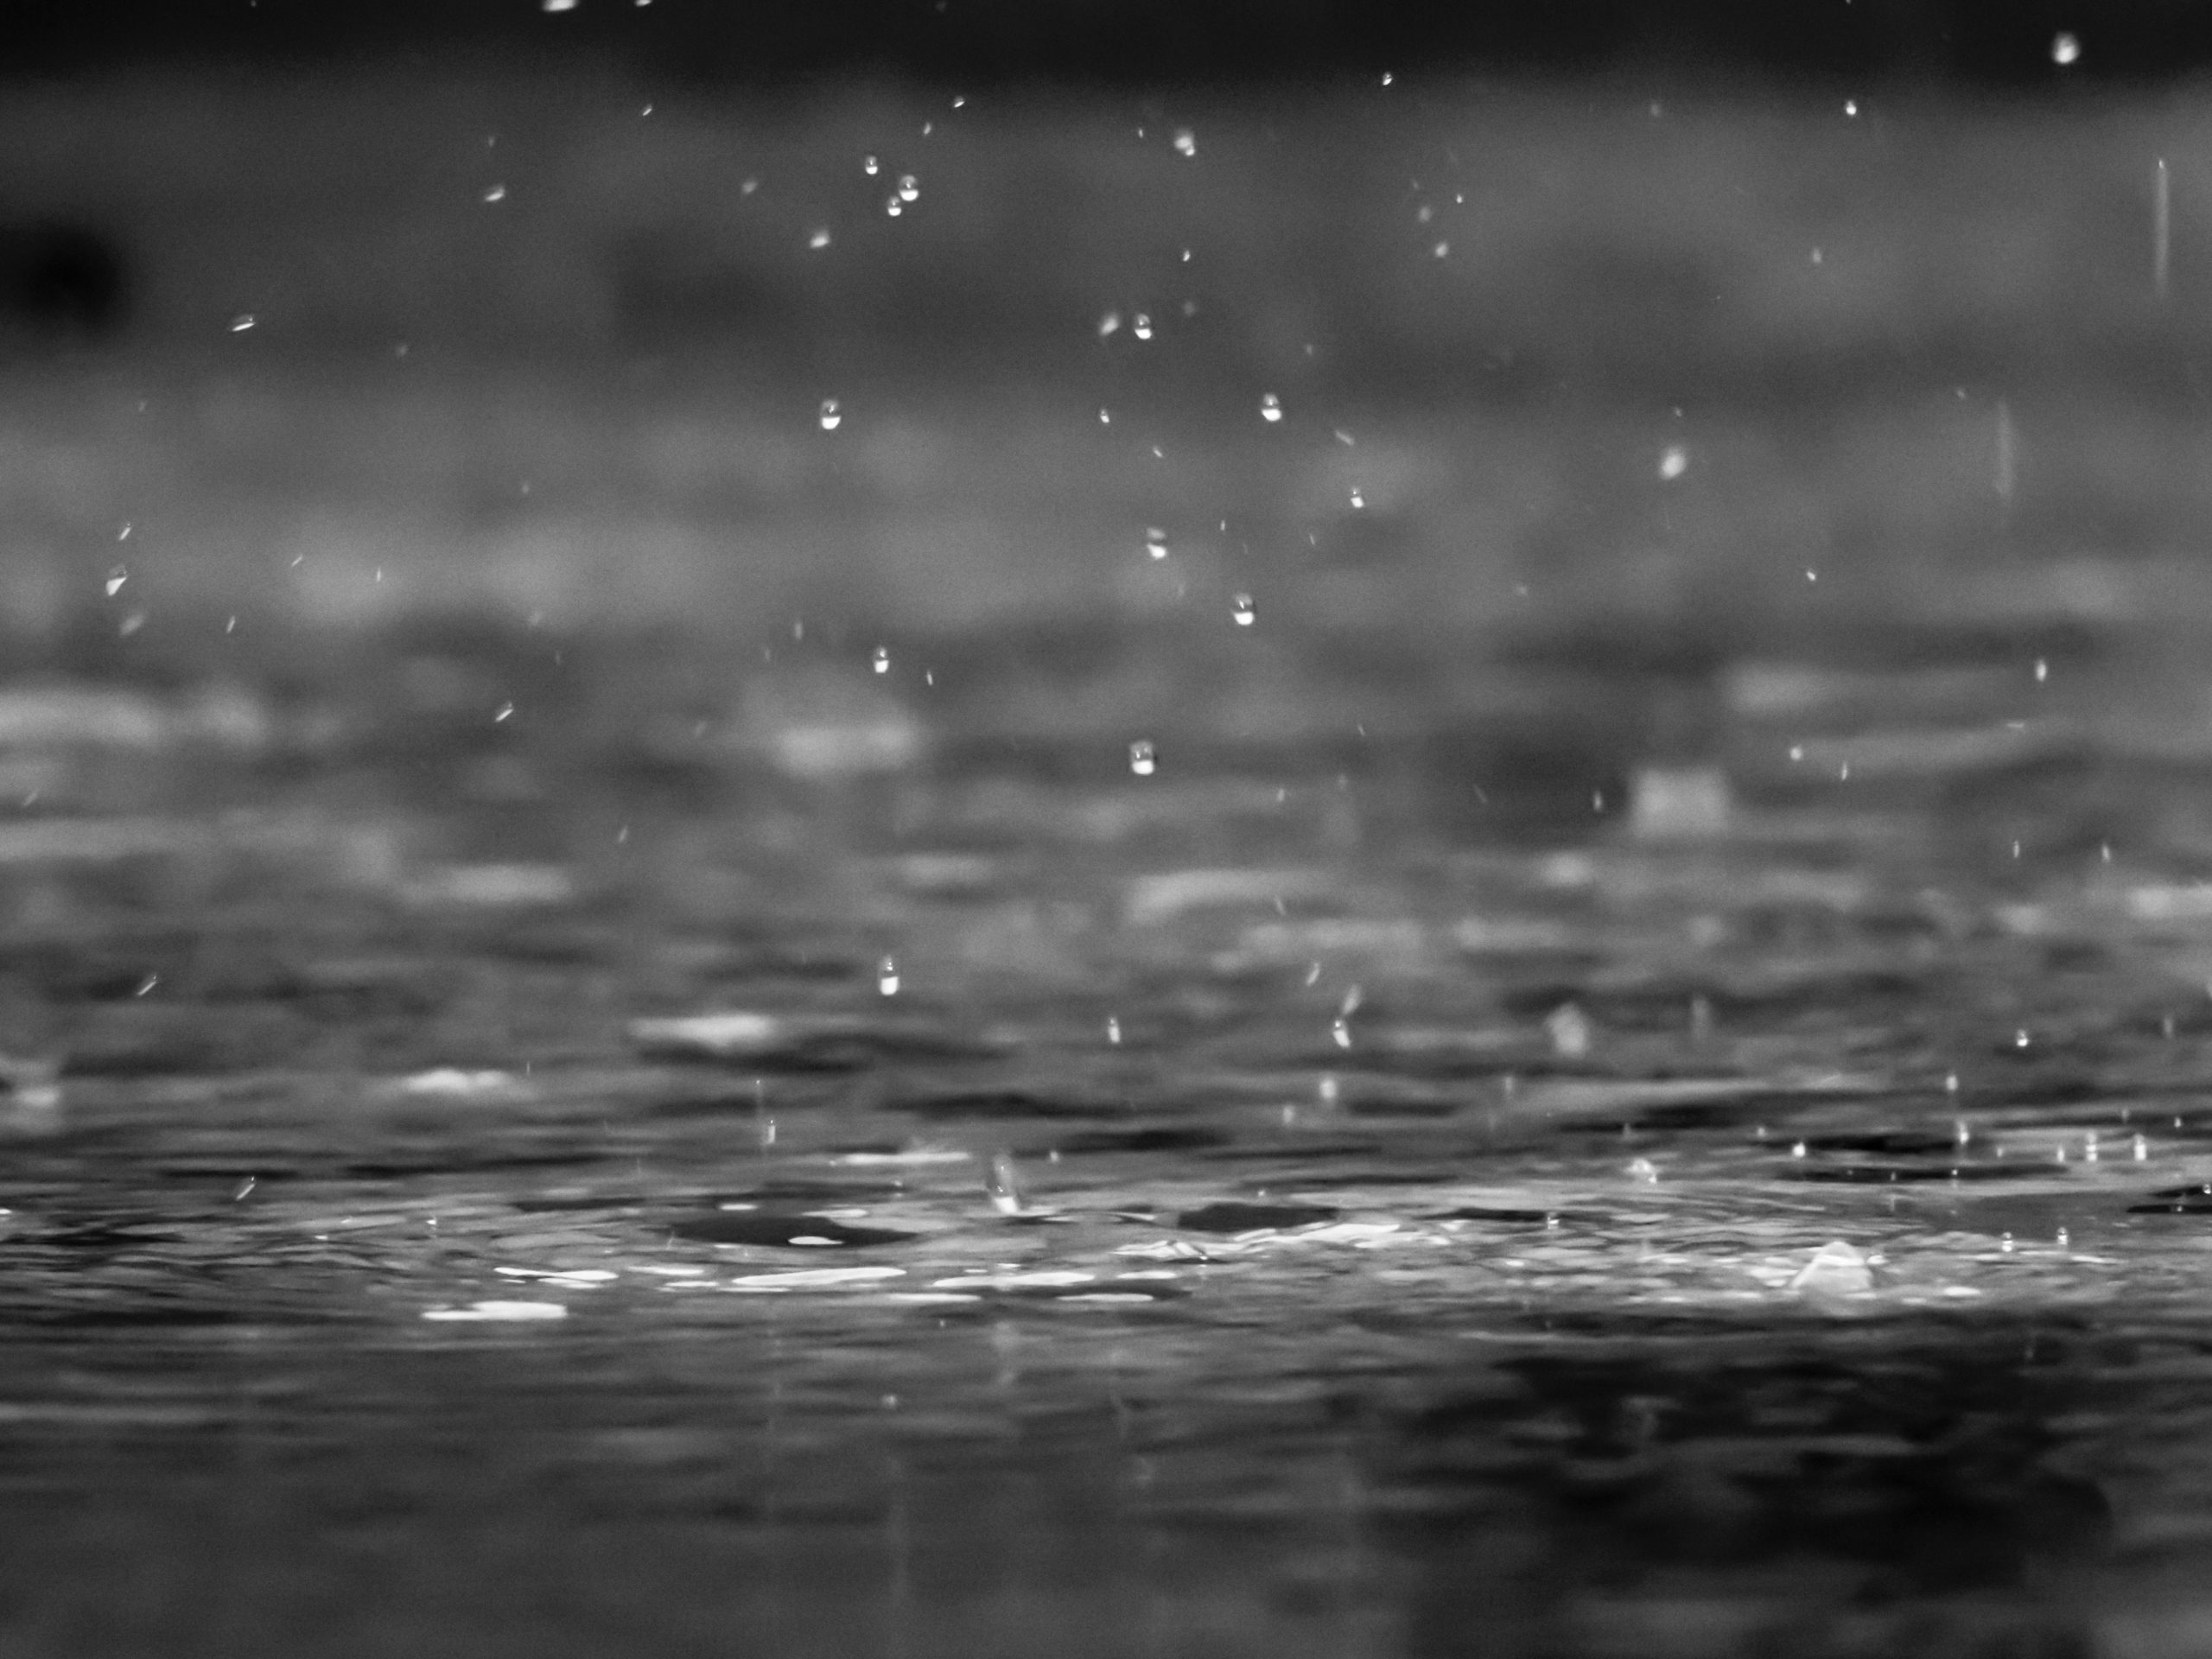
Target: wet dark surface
850, 1193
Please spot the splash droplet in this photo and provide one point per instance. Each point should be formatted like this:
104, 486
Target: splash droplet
2064, 49
882, 659
496, 192
1187, 143
831, 416
1673, 462
1142, 761
1108, 324
1270, 408
1358, 499
868, 165
910, 188
887, 976
1155, 543
243, 321
116, 578
1141, 326
819, 240
1241, 609
1114, 1032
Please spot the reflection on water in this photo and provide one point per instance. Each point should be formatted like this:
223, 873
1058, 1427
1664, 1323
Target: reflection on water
824, 1179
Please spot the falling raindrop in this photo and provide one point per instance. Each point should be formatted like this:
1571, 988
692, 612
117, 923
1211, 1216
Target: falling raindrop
1141, 326
116, 578
1241, 609
2142, 1149
882, 659
1187, 143
1340, 1029
2020, 1039
1358, 499
910, 188
1114, 1030
1108, 324
1569, 1030
243, 321
1155, 543
1142, 759
1851, 107
1270, 408
1441, 251
2043, 671
1673, 462
2064, 49
819, 240
831, 415
505, 712
892, 206
496, 192
887, 976
868, 165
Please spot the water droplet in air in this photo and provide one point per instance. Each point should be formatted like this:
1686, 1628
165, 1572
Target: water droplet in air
910, 188
496, 192
2142, 1149
243, 321
868, 165
1142, 759
2064, 49
1441, 251
882, 659
1141, 326
1673, 462
1386, 77
116, 578
1270, 408
1358, 499
505, 712
559, 5
1241, 609
892, 206
1798, 1150
1643, 1169
1113, 1030
1851, 106
2043, 671
1187, 143
1570, 1031
1155, 543
1340, 1029
1108, 324
819, 240
887, 976
831, 416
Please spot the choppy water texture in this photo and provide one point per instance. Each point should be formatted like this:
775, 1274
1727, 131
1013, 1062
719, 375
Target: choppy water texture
829, 1173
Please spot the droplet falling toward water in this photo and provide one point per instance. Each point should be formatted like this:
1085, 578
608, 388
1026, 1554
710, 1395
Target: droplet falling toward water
1270, 408
1142, 761
832, 416
2065, 49
881, 660
1003, 1186
887, 976
1241, 609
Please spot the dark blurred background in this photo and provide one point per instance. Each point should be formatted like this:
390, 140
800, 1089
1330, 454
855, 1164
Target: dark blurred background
1136, 41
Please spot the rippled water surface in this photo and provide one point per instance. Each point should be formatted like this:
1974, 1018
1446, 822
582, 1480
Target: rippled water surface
832, 1178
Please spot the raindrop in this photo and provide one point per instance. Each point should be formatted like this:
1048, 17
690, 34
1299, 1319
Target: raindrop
1570, 1031
1441, 251
1105, 418
496, 192
1386, 77
1155, 543
2043, 671
1114, 1031
1270, 408
1673, 462
2064, 49
1950, 1083
559, 5
123, 534
819, 240
1241, 609
1645, 1170
1851, 107
1358, 499
887, 976
1141, 326
2006, 1243
831, 415
2142, 1149
892, 206
116, 578
910, 188
882, 659
1187, 143
1142, 759
2020, 1039
868, 165
1340, 1029
505, 712
1797, 1150
1108, 324
243, 321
